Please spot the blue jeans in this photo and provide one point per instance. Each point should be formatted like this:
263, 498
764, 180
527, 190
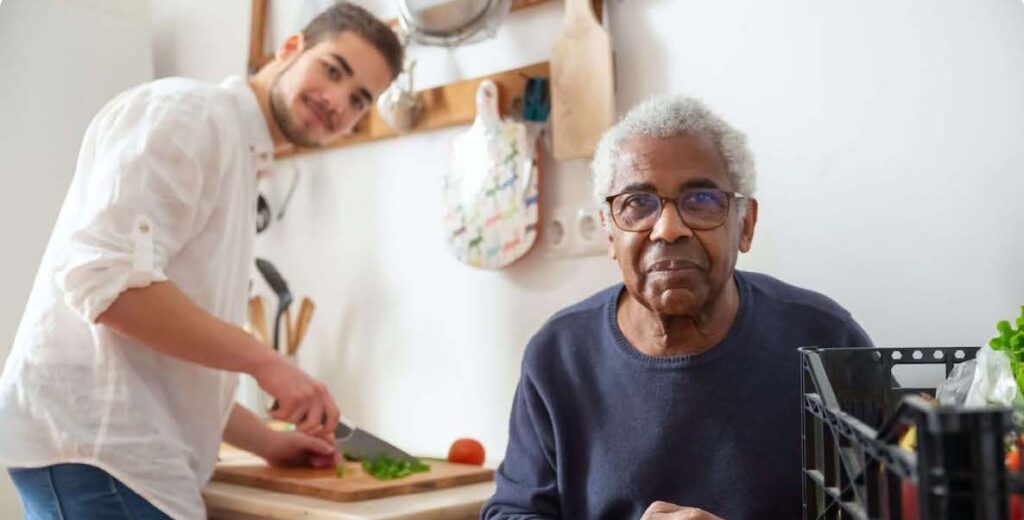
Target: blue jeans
78, 491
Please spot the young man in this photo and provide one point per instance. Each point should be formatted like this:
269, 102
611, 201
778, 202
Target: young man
120, 384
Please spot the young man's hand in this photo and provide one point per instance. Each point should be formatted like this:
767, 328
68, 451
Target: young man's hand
294, 448
163, 318
280, 448
301, 400
667, 511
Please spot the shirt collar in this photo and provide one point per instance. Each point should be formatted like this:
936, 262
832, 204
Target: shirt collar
257, 133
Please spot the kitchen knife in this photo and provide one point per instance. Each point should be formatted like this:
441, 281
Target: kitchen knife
354, 441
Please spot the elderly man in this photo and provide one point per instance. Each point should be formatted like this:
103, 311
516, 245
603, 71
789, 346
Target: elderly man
675, 393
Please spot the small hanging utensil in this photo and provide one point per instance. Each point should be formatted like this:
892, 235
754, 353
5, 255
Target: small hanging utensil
258, 319
306, 309
284, 295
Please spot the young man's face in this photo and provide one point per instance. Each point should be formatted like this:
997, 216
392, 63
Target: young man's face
325, 89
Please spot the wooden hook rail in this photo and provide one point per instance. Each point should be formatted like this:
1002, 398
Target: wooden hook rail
443, 106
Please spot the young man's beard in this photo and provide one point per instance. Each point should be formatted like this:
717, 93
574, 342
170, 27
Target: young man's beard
279, 110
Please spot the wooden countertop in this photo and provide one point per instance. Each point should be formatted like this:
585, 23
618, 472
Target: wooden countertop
233, 502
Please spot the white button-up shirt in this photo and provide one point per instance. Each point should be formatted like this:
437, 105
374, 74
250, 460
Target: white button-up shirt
164, 189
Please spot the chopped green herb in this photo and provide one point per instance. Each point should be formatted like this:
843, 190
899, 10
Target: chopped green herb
386, 468
339, 470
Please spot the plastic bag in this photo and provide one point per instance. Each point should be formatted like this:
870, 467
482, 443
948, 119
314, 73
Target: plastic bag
953, 391
993, 383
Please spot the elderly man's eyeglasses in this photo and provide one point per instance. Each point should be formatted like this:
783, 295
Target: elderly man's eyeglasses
700, 208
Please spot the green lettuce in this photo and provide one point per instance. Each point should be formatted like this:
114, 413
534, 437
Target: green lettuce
1011, 341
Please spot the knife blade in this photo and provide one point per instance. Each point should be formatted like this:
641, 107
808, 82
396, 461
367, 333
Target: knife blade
356, 441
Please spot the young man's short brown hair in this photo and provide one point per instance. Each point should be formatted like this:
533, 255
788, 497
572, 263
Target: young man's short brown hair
346, 16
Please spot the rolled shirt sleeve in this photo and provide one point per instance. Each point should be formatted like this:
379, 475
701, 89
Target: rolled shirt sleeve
148, 178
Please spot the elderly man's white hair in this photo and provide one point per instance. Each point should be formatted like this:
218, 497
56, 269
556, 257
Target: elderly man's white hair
671, 116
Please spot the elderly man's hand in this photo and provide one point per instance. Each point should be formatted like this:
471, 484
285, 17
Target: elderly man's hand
667, 511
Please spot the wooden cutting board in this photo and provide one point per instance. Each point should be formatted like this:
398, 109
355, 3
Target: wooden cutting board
355, 484
582, 83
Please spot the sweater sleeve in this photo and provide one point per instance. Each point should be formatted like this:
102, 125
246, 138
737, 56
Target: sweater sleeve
527, 486
854, 336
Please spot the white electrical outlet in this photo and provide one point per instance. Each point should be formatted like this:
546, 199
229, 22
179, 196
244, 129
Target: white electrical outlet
589, 235
556, 234
587, 225
574, 232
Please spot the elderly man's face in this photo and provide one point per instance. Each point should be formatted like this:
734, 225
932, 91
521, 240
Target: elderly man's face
672, 269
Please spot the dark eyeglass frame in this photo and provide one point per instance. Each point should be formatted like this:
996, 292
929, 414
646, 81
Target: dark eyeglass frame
675, 201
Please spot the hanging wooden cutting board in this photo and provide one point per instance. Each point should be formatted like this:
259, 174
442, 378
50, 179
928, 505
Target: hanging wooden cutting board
490, 188
582, 83
355, 484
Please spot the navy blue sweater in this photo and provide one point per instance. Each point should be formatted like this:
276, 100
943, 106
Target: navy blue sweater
600, 430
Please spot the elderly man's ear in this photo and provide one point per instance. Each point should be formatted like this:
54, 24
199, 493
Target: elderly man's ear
608, 234
749, 222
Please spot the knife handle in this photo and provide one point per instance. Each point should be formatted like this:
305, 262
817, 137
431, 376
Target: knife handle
346, 426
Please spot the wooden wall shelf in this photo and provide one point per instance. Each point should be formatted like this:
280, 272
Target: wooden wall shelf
258, 56
444, 106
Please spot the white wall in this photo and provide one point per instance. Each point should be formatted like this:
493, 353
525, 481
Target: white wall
415, 345
61, 61
890, 148
200, 39
889, 139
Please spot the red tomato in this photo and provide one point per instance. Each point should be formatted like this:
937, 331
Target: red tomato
466, 451
1015, 510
